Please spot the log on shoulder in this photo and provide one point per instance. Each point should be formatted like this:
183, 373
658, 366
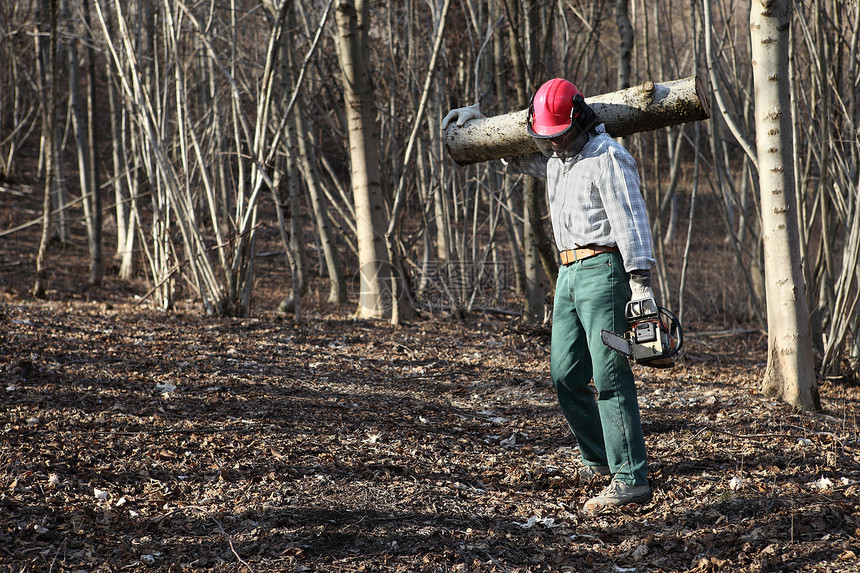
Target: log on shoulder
644, 107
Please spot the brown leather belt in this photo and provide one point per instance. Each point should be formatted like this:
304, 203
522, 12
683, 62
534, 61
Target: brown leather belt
571, 256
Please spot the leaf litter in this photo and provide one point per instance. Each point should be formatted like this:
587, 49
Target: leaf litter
175, 442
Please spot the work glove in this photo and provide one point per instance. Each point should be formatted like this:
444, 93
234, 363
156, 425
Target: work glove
462, 115
642, 300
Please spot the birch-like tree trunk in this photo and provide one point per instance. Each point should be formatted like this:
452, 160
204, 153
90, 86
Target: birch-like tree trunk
311, 175
47, 73
97, 266
535, 284
287, 190
121, 167
790, 370
308, 166
81, 126
352, 19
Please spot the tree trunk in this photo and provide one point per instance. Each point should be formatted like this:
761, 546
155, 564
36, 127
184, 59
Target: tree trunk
47, 74
337, 289
82, 127
294, 242
296, 245
790, 370
513, 230
625, 32
535, 284
401, 307
352, 19
640, 108
126, 227
523, 51
97, 270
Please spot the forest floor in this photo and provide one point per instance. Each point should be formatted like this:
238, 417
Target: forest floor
135, 439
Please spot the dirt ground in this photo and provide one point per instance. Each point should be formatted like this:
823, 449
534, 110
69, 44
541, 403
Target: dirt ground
134, 439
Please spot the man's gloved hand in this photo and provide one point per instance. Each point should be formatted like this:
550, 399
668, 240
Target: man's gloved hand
462, 115
640, 285
642, 295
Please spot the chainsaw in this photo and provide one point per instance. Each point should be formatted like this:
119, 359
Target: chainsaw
654, 338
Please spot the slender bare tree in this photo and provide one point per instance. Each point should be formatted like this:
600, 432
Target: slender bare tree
81, 112
47, 73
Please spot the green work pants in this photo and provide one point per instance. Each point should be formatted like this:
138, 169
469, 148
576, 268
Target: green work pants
591, 295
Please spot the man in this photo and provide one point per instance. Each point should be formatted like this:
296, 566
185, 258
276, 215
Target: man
602, 232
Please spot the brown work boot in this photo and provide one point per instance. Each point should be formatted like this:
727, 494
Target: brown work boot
618, 493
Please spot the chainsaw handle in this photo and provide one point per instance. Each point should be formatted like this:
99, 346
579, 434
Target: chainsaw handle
674, 328
641, 308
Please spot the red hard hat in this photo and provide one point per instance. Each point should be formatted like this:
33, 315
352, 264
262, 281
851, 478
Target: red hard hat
552, 106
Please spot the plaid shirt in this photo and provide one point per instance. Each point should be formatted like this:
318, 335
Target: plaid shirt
594, 199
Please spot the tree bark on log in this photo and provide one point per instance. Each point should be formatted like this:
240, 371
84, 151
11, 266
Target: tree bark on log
640, 108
